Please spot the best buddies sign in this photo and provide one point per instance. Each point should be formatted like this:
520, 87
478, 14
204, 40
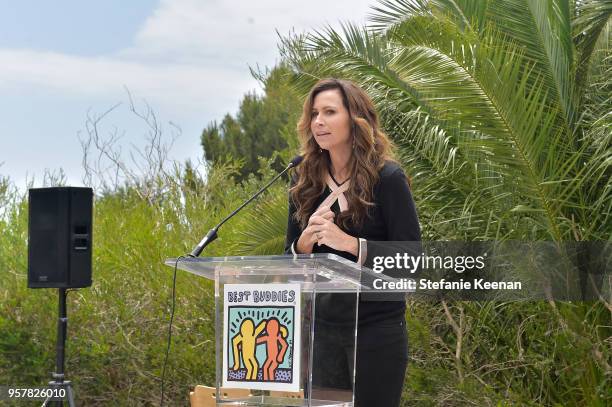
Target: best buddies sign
261, 336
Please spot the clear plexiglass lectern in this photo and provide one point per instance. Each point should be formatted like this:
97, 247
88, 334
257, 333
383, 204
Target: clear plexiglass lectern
272, 342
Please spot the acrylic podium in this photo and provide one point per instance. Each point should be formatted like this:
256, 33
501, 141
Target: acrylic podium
271, 341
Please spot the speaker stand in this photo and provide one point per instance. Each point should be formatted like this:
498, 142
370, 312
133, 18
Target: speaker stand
58, 381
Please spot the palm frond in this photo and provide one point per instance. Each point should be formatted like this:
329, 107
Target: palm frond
588, 29
595, 86
262, 231
389, 13
353, 54
543, 31
467, 14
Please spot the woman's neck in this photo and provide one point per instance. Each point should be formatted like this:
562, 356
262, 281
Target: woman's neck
339, 164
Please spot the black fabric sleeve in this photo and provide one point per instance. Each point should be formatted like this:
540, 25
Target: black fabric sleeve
294, 231
400, 218
398, 208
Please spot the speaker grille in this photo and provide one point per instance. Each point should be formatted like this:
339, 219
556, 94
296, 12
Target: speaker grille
57, 255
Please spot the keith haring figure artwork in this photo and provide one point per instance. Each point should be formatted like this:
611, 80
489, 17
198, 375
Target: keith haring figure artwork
246, 341
276, 346
261, 331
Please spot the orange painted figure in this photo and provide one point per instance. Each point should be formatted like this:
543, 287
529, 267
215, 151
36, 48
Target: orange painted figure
276, 334
245, 341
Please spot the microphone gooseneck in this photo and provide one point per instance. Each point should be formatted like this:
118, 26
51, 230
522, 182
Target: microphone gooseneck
212, 233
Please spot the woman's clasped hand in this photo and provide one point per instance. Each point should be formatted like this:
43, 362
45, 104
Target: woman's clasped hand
322, 230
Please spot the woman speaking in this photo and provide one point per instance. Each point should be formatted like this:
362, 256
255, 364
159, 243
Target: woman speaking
347, 197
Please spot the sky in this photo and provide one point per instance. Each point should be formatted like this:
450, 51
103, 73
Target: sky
64, 61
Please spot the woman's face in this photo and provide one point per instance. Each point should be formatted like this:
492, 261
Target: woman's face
330, 121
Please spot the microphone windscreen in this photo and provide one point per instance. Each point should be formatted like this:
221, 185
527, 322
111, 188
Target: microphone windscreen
296, 161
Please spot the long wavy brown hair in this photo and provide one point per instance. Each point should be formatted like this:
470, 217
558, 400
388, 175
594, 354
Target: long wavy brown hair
371, 149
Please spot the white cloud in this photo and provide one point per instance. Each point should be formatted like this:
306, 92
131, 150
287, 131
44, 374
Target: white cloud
164, 84
238, 31
189, 55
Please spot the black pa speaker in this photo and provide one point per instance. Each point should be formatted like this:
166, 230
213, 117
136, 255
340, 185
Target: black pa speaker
60, 237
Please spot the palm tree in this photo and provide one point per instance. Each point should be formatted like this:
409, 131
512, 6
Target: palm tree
500, 109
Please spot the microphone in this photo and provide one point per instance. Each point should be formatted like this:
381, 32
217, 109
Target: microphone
212, 233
